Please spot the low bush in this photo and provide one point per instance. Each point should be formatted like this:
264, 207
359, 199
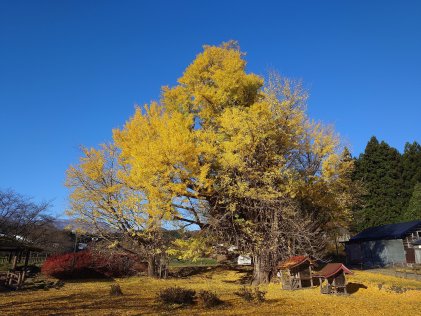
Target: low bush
115, 290
208, 299
397, 289
86, 264
245, 293
70, 265
176, 295
250, 295
259, 296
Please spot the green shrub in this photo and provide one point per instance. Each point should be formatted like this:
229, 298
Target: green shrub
259, 296
176, 295
115, 290
208, 299
397, 289
249, 295
245, 293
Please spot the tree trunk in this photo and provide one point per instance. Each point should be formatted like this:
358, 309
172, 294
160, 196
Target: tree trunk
157, 267
152, 267
262, 269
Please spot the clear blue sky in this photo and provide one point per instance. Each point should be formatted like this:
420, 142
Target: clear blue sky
70, 71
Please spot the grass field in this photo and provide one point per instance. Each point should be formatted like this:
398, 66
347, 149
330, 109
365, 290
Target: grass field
372, 294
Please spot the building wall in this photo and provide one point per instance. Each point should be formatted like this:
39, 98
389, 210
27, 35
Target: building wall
417, 250
353, 253
378, 252
244, 260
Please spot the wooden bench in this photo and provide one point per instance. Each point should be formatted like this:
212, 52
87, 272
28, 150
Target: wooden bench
14, 279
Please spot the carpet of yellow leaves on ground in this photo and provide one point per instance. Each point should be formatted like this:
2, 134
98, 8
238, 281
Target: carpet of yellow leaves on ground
371, 294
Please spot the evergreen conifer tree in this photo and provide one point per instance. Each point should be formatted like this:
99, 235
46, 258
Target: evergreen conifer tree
384, 199
411, 168
413, 212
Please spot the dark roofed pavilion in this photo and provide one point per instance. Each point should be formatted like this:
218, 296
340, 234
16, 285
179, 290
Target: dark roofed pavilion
16, 249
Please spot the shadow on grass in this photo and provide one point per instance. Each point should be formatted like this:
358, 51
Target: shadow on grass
103, 304
104, 279
187, 272
352, 288
68, 304
161, 308
245, 279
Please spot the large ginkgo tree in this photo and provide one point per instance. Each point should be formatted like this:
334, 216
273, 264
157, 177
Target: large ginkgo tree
228, 153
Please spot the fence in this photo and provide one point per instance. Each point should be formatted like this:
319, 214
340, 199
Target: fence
412, 271
35, 258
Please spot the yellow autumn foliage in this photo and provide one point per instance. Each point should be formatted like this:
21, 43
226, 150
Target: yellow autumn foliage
220, 137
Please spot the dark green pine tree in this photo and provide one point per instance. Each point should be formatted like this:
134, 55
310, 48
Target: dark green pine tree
379, 168
411, 167
413, 212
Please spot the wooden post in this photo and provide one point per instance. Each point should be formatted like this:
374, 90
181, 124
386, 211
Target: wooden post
311, 276
345, 284
19, 280
27, 254
282, 278
10, 276
14, 262
22, 278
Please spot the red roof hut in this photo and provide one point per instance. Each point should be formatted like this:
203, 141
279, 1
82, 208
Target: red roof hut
334, 273
296, 272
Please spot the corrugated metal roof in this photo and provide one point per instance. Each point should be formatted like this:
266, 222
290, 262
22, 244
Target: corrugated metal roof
390, 231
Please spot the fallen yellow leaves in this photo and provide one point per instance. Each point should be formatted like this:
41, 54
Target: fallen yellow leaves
372, 294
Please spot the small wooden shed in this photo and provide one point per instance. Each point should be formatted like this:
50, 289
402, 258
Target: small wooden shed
296, 272
334, 274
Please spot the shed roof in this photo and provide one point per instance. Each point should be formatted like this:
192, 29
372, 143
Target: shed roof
12, 244
390, 231
331, 269
293, 262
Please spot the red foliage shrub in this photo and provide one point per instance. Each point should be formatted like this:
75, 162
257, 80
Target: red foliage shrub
86, 264
70, 265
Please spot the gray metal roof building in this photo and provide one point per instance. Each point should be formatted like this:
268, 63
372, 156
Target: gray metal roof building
386, 244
